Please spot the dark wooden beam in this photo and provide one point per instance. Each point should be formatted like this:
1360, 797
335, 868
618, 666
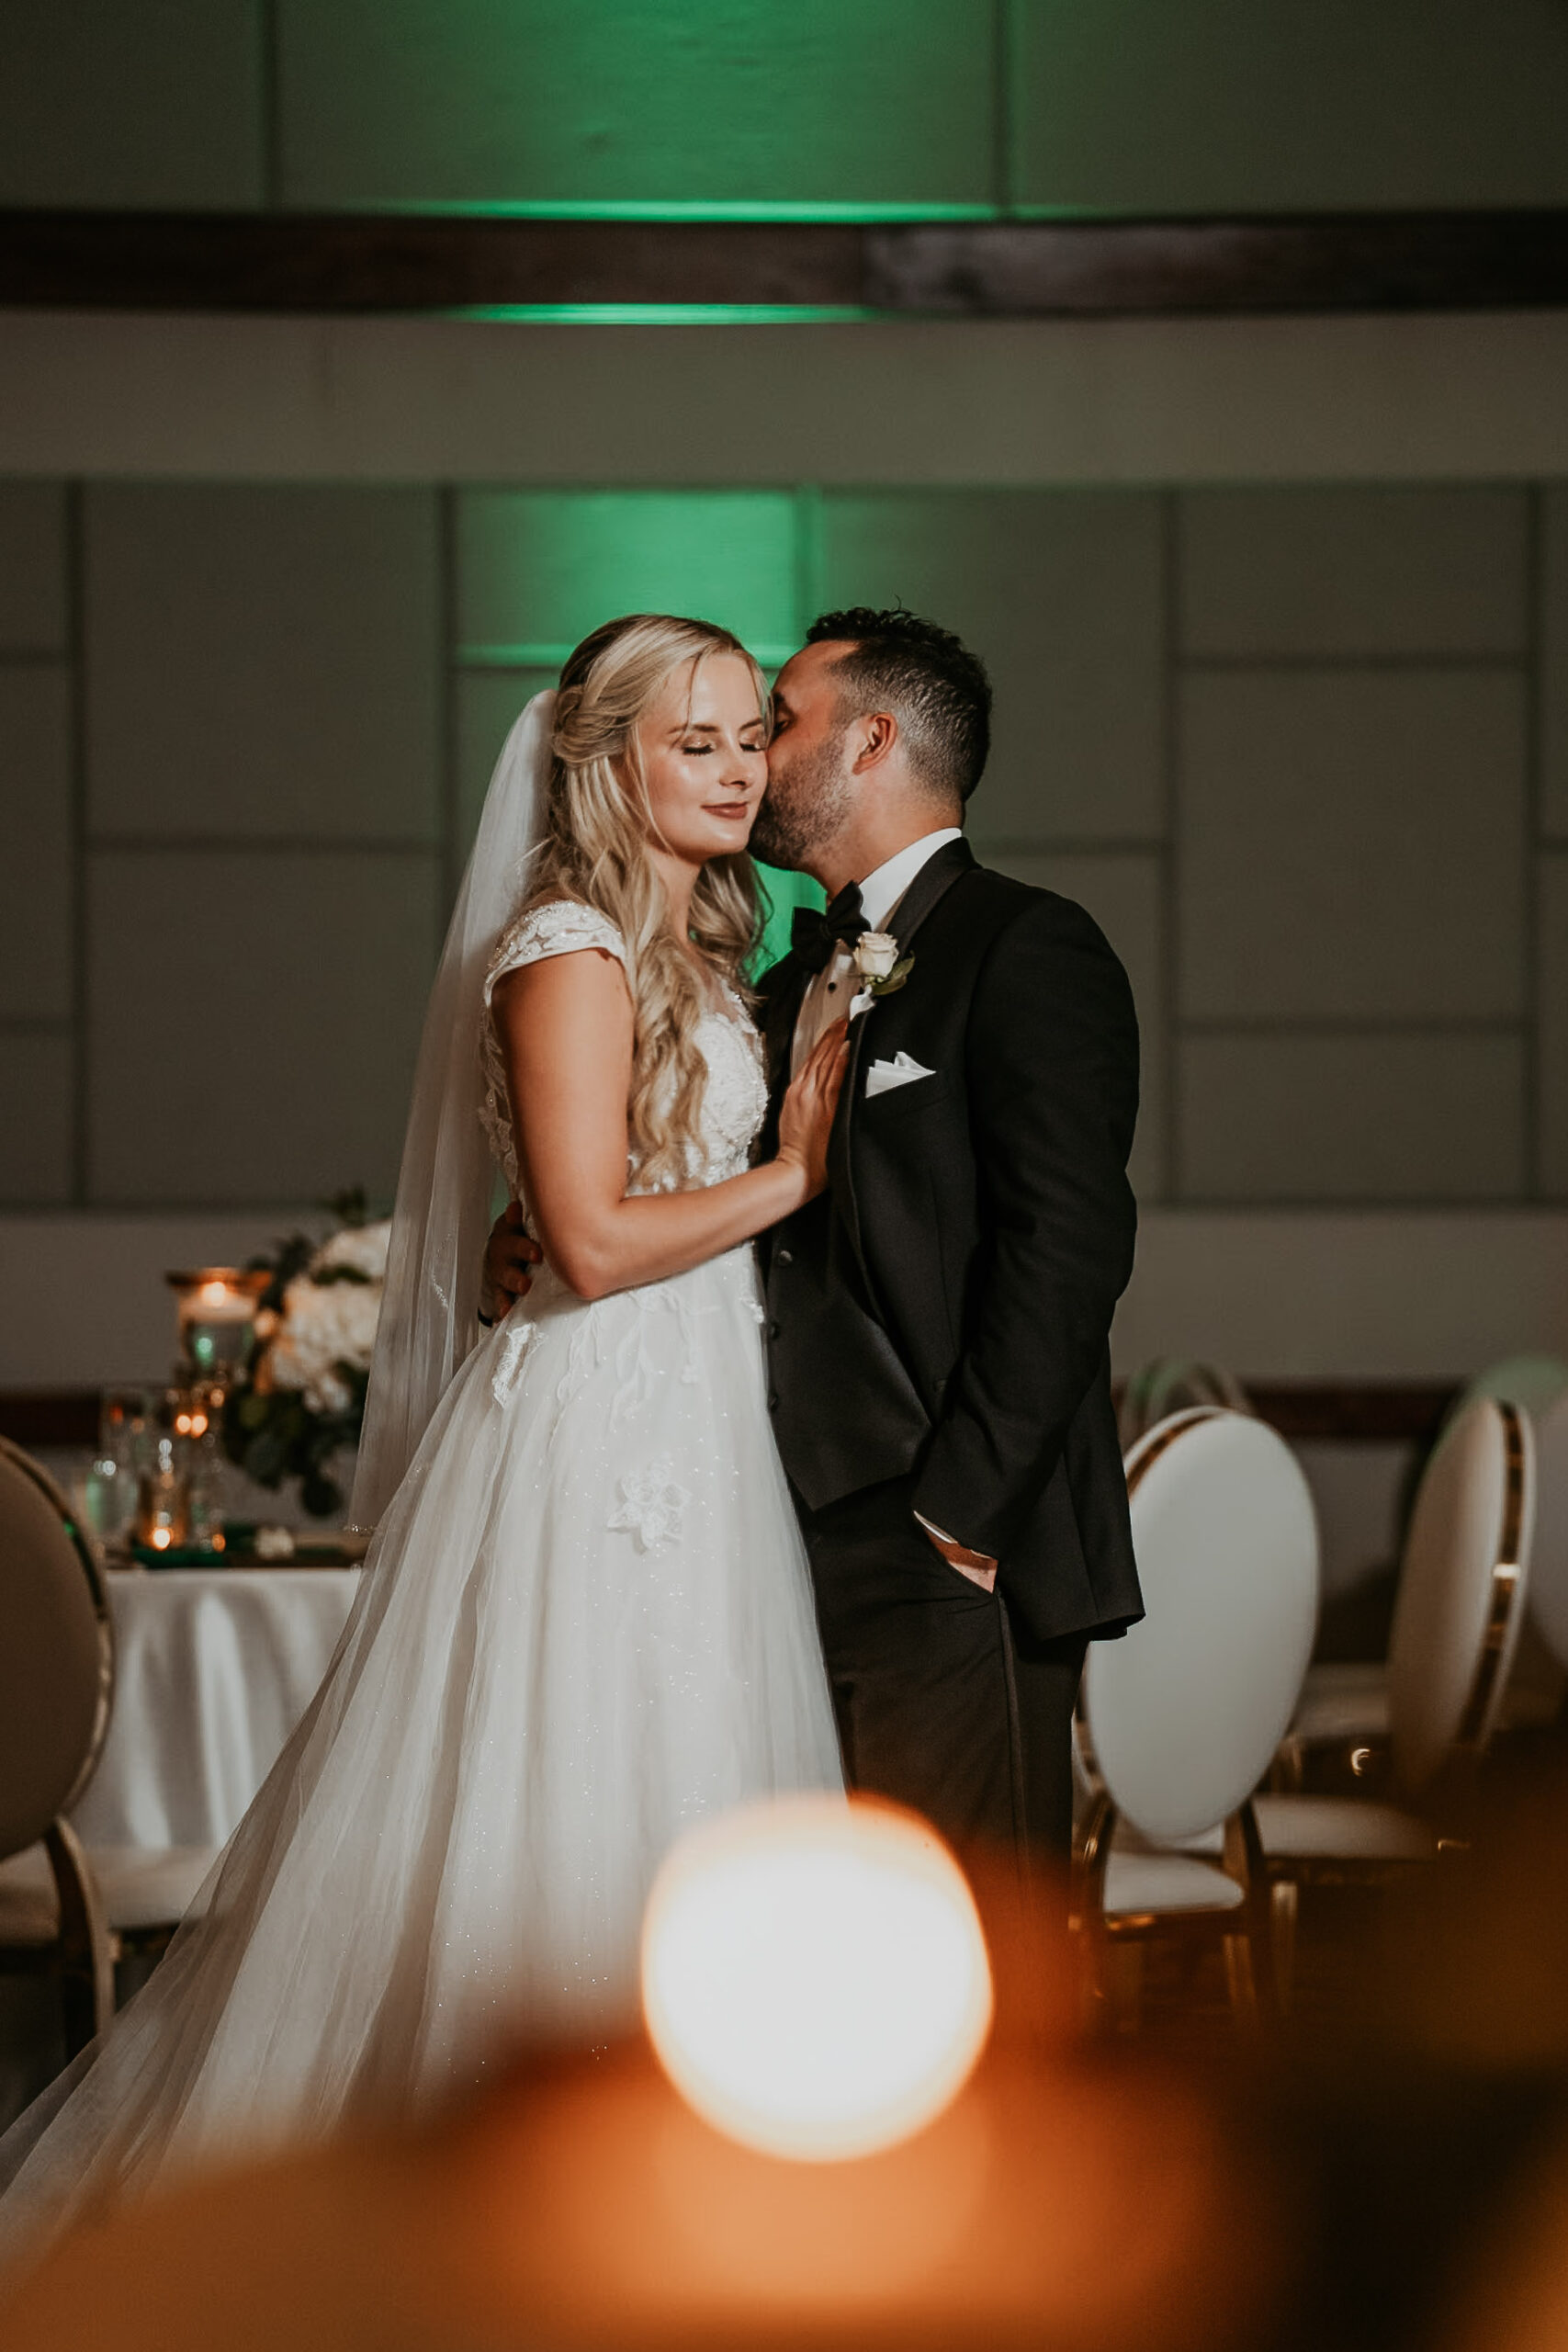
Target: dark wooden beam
1366, 1412
347, 262
285, 261
1355, 1412
1335, 262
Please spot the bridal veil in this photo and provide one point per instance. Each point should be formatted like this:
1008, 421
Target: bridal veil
443, 1205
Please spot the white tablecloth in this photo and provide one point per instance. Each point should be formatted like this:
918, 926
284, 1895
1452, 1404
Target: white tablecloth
213, 1669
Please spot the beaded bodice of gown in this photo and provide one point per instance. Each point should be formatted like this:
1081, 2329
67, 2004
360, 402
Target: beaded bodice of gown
735, 1099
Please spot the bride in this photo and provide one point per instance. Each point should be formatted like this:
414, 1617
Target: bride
585, 1618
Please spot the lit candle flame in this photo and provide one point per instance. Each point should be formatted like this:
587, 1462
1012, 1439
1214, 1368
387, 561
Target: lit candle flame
814, 1978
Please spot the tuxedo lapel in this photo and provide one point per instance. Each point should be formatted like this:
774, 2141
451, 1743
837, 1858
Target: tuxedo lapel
925, 893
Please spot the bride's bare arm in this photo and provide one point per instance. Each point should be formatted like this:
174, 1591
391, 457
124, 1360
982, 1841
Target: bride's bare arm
565, 1027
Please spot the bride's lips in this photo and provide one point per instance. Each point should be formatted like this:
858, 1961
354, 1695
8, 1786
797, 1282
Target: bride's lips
726, 807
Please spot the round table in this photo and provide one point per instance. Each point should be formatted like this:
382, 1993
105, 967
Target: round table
213, 1669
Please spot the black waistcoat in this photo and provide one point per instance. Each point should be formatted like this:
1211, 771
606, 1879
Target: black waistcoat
845, 1412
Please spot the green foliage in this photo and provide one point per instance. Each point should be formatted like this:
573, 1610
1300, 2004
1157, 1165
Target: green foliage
275, 1436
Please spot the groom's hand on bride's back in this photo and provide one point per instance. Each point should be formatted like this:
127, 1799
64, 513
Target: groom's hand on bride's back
511, 1256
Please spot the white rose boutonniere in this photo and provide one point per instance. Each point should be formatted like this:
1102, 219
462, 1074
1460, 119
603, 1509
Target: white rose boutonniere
881, 968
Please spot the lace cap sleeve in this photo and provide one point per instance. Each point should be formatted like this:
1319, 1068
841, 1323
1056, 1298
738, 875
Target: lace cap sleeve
559, 927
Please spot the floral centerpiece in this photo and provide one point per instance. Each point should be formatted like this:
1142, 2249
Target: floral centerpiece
301, 1398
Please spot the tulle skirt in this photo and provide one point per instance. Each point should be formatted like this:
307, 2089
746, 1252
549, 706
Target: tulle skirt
586, 1622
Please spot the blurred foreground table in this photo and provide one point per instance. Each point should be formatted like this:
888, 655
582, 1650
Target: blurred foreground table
213, 1669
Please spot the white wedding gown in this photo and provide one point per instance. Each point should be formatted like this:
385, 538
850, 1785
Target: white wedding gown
586, 1622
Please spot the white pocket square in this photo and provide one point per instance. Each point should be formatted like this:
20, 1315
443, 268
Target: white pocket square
902, 1071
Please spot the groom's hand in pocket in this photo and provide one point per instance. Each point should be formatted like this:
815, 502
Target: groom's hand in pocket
510, 1255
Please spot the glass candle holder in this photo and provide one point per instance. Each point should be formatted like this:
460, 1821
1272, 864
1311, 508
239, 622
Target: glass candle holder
163, 1503
109, 1494
217, 1307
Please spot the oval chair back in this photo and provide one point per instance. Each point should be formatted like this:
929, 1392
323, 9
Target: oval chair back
56, 1656
1185, 1713
1462, 1582
1549, 1552
1170, 1385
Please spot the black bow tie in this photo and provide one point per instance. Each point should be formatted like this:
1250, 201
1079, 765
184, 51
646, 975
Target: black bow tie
814, 937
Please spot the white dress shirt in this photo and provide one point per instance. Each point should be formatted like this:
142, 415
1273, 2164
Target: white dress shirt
829, 991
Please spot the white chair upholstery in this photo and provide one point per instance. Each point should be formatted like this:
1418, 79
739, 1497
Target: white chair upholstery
1462, 1589
1341, 1704
1184, 1713
1462, 1596
1143, 1879
1293, 1828
141, 1888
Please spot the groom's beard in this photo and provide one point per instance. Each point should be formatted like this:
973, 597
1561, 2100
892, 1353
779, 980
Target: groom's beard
807, 802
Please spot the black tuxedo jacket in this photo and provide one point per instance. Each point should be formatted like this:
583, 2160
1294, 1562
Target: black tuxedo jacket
944, 1308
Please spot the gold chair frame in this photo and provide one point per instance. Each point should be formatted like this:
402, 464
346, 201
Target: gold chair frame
83, 1952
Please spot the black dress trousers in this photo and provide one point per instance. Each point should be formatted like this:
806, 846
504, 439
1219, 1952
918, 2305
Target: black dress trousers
945, 1702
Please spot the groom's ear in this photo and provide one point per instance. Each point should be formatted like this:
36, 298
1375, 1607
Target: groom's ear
876, 733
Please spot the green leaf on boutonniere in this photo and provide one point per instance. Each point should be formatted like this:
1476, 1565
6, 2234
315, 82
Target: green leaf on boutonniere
894, 979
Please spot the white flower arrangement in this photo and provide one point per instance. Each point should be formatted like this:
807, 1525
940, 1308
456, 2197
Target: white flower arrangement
326, 1329
303, 1397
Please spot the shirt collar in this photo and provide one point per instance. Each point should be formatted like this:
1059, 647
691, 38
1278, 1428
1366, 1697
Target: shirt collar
882, 889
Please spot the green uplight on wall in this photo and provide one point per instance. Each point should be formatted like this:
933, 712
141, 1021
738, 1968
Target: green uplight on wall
857, 216
537, 569
783, 893
662, 314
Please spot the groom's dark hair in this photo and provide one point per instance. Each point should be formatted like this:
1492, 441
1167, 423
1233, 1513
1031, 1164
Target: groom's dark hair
935, 687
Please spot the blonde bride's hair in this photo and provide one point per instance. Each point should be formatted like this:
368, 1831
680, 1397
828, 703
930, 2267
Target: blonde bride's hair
596, 849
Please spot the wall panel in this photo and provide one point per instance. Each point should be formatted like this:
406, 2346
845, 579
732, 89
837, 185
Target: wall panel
1227, 106
253, 1021
263, 662
37, 1089
718, 103
1553, 1034
155, 104
1060, 592
36, 868
536, 570
1299, 1119
33, 600
1553, 682
1374, 574
1352, 846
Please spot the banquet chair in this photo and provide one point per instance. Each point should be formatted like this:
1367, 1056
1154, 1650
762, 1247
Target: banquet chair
1181, 1717
56, 1683
1463, 1581
1547, 1608
1345, 1704
1170, 1385
66, 1908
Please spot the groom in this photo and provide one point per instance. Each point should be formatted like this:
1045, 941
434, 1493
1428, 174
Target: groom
938, 1319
